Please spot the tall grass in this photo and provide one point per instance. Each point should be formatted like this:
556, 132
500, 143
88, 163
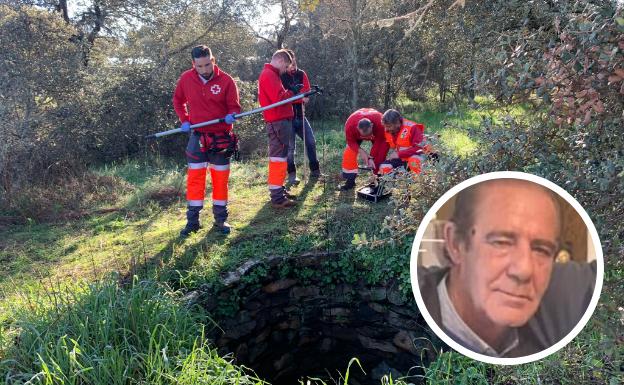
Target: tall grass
452, 368
103, 334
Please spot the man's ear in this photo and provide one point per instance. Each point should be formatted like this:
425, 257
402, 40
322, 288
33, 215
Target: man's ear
452, 243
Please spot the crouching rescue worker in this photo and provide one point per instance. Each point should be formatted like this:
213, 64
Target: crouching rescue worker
404, 138
363, 124
204, 93
278, 123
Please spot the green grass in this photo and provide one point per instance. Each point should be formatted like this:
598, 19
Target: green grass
142, 232
102, 334
142, 229
453, 124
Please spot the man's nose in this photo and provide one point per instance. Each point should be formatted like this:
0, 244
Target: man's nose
521, 265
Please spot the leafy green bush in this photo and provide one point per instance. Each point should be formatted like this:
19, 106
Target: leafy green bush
573, 137
37, 78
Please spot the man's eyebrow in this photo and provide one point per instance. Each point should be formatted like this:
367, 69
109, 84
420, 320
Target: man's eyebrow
512, 236
500, 234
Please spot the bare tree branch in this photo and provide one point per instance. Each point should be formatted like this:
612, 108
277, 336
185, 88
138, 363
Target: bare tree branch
414, 16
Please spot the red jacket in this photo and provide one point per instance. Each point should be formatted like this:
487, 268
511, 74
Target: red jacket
197, 102
353, 135
406, 141
270, 90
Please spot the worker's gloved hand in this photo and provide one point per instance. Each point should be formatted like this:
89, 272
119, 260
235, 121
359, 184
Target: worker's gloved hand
186, 127
230, 118
296, 88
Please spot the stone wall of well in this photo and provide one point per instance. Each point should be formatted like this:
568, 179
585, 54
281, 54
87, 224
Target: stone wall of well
285, 323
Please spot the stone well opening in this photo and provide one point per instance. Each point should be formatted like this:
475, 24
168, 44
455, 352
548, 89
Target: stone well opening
288, 328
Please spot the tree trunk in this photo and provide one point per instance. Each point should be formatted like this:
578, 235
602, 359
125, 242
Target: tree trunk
282, 33
61, 7
472, 88
98, 23
388, 91
441, 91
442, 84
357, 10
355, 73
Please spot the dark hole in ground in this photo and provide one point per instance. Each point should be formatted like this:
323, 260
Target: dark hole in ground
327, 356
287, 330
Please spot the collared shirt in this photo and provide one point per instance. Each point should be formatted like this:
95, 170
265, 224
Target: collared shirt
462, 334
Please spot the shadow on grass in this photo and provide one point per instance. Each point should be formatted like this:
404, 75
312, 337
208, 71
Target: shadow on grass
270, 231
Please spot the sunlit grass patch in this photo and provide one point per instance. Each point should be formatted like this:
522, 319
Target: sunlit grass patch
458, 142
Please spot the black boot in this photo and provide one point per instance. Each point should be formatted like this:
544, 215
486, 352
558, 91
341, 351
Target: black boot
315, 172
347, 185
292, 179
192, 221
220, 215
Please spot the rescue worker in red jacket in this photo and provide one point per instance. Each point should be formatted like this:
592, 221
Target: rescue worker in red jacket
278, 123
363, 124
404, 138
204, 93
301, 125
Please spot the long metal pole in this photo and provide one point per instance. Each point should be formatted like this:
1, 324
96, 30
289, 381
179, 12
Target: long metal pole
316, 90
305, 144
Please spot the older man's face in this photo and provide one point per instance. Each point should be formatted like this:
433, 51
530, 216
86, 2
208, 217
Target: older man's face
506, 267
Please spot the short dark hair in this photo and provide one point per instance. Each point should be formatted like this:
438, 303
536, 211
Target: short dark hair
201, 51
391, 116
467, 200
283, 54
364, 124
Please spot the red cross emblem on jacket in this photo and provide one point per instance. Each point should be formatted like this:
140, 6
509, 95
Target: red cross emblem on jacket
215, 89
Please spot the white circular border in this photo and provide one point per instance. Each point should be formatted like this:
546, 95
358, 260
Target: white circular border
599, 260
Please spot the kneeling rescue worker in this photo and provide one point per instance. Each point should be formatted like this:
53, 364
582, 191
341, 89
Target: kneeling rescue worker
204, 93
362, 125
404, 138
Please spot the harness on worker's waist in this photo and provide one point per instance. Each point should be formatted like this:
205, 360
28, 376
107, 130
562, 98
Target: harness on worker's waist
225, 143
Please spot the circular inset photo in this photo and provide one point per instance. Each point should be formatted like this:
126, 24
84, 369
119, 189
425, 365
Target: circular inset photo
506, 268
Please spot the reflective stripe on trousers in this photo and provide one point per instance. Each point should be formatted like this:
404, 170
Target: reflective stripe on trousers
198, 163
385, 168
196, 183
277, 172
414, 164
349, 161
220, 174
279, 136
